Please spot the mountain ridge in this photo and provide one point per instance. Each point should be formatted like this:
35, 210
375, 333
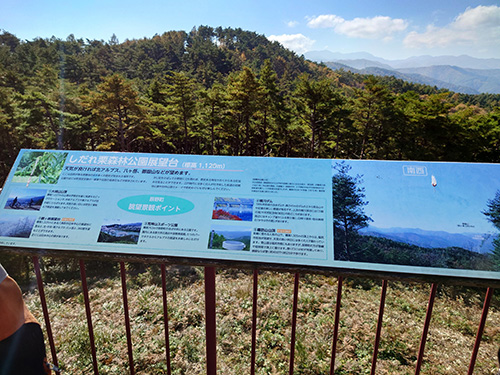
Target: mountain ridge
477, 242
463, 61
463, 74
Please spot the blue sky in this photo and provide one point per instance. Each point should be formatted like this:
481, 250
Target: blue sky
461, 194
391, 29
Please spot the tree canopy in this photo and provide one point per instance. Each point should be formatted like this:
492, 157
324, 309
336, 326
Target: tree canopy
225, 91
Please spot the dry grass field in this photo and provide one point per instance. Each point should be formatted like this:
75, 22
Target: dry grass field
451, 338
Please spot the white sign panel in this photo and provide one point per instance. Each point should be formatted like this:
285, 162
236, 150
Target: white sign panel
413, 217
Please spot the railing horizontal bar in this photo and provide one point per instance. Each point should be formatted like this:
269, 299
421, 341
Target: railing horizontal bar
284, 268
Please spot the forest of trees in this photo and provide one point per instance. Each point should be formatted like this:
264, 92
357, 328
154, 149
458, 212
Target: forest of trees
228, 92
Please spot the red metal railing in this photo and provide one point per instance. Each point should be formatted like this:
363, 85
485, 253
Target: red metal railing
210, 320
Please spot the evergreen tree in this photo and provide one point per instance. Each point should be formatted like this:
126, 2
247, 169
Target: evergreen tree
316, 103
117, 114
244, 103
214, 104
493, 215
374, 117
9, 140
50, 109
271, 104
348, 210
181, 93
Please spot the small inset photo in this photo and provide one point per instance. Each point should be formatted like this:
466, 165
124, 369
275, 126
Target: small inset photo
17, 226
239, 209
40, 167
117, 231
225, 237
25, 199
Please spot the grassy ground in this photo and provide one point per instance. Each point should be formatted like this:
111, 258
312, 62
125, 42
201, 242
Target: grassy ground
449, 347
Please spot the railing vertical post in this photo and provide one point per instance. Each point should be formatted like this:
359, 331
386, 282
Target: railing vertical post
127, 318
43, 301
379, 326
210, 324
294, 321
254, 320
427, 323
336, 326
486, 306
83, 276
165, 316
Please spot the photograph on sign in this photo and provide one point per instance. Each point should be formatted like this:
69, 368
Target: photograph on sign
25, 199
228, 237
43, 167
440, 215
239, 209
113, 231
16, 226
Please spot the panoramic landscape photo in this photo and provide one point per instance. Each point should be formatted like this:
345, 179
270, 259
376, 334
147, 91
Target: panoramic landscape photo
115, 231
443, 215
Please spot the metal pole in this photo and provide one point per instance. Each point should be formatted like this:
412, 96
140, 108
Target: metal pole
210, 323
336, 326
427, 323
165, 316
379, 326
127, 318
83, 276
43, 301
486, 306
294, 321
254, 320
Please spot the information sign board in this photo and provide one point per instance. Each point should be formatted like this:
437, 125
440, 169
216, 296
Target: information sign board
410, 217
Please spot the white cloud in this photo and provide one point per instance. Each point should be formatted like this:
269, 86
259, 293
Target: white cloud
482, 16
324, 21
366, 28
475, 26
292, 23
296, 42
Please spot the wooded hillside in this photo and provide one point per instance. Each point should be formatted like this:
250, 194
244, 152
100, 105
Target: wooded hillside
228, 92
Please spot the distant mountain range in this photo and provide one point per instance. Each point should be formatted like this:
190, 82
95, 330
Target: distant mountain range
462, 74
478, 242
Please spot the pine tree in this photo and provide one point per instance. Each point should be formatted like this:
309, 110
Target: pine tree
181, 92
316, 106
348, 212
493, 215
117, 114
244, 101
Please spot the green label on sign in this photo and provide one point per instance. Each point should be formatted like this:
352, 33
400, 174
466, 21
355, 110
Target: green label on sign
158, 205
